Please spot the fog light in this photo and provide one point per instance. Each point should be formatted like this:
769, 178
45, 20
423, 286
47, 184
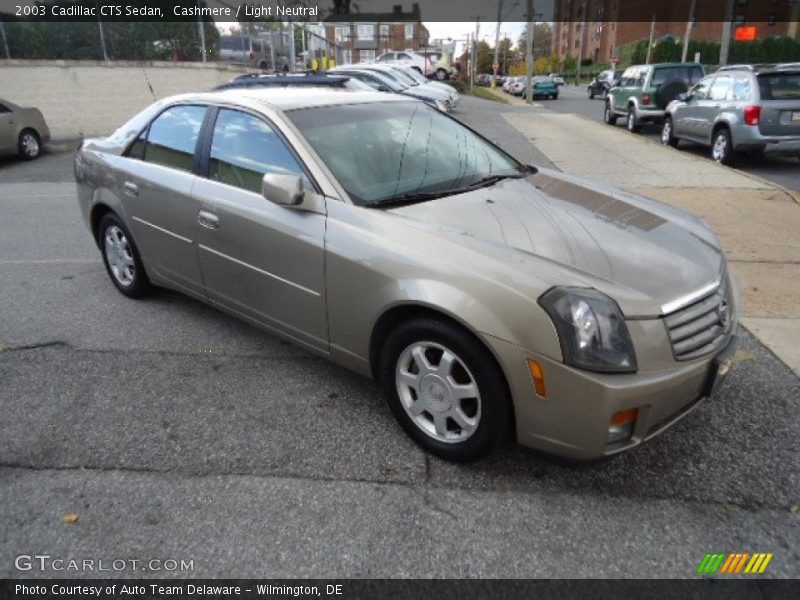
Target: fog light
621, 425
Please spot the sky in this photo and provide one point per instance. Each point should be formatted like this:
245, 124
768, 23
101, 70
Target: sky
458, 31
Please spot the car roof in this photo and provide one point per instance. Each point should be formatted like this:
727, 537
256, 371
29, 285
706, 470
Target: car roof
259, 80
291, 98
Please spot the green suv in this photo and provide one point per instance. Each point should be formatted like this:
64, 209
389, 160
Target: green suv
643, 92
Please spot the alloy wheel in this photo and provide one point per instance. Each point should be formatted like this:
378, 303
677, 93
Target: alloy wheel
666, 132
119, 255
720, 147
30, 145
438, 392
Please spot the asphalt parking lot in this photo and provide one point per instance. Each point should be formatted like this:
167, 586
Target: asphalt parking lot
174, 431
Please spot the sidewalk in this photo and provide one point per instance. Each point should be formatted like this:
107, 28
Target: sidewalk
756, 221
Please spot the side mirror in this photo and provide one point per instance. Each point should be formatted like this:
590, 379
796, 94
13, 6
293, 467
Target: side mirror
684, 97
286, 190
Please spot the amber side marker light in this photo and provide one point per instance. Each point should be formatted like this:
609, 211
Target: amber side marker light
621, 425
538, 378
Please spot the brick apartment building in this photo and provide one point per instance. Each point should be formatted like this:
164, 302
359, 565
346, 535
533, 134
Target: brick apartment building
604, 25
375, 33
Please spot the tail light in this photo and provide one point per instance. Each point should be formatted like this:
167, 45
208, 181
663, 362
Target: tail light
752, 114
646, 99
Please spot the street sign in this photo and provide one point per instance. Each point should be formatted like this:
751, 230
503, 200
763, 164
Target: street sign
745, 34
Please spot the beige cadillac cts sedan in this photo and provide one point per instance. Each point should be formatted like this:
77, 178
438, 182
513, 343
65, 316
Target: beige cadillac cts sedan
490, 298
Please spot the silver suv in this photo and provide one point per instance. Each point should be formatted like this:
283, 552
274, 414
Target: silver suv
753, 108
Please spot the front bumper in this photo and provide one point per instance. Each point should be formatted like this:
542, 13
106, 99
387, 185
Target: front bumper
572, 420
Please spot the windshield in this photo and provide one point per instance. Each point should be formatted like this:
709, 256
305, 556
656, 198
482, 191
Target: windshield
416, 76
779, 86
374, 80
382, 151
396, 79
402, 76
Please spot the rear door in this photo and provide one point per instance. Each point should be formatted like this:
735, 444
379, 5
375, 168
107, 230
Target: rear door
155, 183
258, 258
686, 116
780, 103
8, 140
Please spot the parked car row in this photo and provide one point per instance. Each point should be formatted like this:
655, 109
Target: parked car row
738, 108
541, 86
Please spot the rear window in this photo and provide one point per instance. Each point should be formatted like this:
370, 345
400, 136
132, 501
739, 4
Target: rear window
689, 75
233, 43
779, 86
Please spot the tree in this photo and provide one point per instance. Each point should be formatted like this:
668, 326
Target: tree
505, 54
542, 40
485, 58
541, 65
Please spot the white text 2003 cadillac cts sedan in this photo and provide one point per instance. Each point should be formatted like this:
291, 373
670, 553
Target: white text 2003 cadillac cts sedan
490, 298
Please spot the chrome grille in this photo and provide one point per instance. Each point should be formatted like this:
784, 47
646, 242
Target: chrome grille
700, 327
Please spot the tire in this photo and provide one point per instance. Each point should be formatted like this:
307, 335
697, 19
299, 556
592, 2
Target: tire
667, 134
412, 361
29, 144
668, 91
441, 75
591, 93
609, 118
555, 96
121, 258
722, 147
630, 121
263, 65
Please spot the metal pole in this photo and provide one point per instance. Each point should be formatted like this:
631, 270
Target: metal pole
5, 41
689, 27
291, 47
474, 69
529, 55
650, 44
725, 43
202, 31
495, 64
102, 35
580, 44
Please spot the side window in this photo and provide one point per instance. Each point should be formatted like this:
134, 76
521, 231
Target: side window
722, 89
741, 88
4, 109
244, 148
172, 137
700, 90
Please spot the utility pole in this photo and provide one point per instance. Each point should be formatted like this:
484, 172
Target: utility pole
689, 27
291, 46
582, 25
202, 31
725, 43
102, 35
529, 55
652, 37
5, 41
474, 55
495, 64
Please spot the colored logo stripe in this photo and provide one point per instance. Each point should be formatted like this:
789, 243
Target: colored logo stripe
734, 562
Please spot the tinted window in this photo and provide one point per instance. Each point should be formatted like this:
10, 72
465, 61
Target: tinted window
172, 137
4, 109
233, 43
741, 88
244, 148
381, 150
779, 86
690, 75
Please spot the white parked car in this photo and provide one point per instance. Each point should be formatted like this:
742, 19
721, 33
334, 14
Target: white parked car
557, 79
413, 59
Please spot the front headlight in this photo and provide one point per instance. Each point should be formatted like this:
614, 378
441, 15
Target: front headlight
591, 330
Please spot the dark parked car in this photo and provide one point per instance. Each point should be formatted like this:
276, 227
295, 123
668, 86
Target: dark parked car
603, 82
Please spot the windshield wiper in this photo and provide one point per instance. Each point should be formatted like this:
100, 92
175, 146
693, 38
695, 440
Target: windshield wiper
414, 197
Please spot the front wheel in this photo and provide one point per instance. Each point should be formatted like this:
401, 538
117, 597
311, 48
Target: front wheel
445, 389
121, 258
609, 118
668, 134
722, 147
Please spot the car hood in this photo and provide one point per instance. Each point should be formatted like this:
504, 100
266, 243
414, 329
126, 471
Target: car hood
641, 252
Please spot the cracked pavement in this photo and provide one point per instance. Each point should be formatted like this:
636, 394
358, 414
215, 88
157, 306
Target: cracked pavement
174, 431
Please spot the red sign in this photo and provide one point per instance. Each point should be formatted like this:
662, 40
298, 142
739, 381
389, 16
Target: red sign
745, 34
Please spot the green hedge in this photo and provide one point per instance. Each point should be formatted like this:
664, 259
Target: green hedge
768, 50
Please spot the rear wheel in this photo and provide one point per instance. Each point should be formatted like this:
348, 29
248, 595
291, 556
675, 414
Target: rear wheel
630, 121
591, 93
29, 144
609, 118
667, 134
445, 389
722, 147
121, 258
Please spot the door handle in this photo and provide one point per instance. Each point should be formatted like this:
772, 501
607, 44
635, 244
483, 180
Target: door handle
131, 189
207, 219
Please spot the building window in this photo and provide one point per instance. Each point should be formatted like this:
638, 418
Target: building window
365, 33
341, 34
366, 56
384, 32
771, 21
739, 20
347, 57
409, 31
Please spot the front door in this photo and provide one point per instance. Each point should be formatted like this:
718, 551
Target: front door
687, 116
258, 258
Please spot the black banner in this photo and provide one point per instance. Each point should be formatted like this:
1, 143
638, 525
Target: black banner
418, 589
